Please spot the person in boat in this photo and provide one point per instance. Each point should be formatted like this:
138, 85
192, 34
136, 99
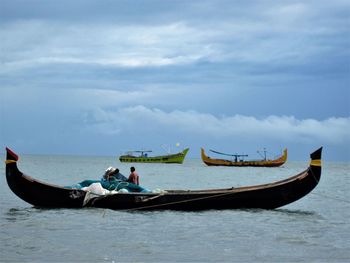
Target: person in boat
133, 177
112, 178
113, 174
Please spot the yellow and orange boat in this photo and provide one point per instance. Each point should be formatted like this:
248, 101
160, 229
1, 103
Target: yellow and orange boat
239, 161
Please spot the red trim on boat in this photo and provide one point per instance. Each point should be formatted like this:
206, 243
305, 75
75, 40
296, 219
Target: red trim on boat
10, 152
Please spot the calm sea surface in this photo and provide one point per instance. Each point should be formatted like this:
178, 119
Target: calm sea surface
313, 229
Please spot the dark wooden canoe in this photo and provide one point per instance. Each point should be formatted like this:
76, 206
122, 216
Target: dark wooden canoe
265, 196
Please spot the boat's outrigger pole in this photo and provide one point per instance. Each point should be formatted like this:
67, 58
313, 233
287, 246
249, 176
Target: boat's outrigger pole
228, 154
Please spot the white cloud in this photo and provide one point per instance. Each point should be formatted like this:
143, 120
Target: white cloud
286, 128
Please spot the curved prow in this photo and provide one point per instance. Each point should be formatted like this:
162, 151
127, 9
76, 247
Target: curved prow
281, 160
11, 160
316, 155
203, 155
10, 155
184, 152
316, 164
285, 155
39, 193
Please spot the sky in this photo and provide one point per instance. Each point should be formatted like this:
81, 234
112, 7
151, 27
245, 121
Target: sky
92, 77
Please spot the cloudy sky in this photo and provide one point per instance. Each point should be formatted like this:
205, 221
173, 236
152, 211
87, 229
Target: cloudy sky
98, 77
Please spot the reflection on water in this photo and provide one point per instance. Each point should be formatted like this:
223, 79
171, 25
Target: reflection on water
18, 214
295, 212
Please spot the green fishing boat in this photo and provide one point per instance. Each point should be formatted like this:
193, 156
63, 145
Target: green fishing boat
143, 157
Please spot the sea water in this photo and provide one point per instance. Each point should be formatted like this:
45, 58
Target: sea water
315, 228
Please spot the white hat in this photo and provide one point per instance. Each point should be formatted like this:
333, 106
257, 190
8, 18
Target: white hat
110, 170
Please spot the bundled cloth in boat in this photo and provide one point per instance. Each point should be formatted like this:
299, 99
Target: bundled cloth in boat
99, 188
110, 185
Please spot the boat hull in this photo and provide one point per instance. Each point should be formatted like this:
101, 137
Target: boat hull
266, 196
171, 158
260, 163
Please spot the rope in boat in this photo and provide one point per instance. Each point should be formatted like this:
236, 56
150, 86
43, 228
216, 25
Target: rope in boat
317, 181
115, 188
177, 202
157, 196
151, 198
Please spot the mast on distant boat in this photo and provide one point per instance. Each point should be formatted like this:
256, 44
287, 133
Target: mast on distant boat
229, 154
263, 156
